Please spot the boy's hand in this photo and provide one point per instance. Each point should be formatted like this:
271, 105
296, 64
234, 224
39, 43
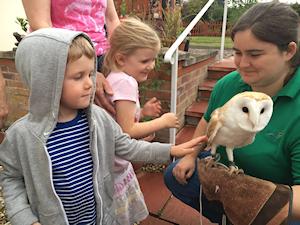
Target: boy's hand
103, 88
151, 108
187, 147
36, 223
170, 120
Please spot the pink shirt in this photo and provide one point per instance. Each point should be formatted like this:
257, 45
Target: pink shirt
82, 15
125, 87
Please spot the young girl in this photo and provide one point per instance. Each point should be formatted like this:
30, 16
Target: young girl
134, 47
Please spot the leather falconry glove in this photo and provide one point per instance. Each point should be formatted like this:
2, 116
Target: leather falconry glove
246, 200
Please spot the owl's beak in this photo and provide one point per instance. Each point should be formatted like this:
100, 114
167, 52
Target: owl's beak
254, 117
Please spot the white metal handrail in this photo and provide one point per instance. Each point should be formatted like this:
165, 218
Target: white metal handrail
171, 56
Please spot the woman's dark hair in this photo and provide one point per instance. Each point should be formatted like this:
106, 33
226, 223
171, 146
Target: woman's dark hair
272, 22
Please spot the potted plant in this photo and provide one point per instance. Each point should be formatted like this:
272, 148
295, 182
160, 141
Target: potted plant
23, 23
171, 26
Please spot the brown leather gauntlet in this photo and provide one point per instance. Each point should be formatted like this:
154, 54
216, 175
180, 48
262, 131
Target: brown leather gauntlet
246, 200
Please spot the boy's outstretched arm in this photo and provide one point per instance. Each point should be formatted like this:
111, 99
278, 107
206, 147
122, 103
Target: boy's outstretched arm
188, 147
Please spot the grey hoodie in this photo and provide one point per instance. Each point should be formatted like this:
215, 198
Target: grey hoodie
27, 176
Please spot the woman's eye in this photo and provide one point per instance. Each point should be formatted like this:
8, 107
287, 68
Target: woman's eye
255, 55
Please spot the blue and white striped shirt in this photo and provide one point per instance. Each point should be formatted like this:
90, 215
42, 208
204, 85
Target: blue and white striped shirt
72, 169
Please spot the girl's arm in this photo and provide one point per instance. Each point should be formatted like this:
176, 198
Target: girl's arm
38, 13
126, 119
111, 16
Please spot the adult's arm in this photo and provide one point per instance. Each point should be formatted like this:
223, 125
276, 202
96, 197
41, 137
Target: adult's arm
111, 16
3, 103
296, 202
38, 13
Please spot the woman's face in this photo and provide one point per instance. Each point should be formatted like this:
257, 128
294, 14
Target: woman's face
260, 64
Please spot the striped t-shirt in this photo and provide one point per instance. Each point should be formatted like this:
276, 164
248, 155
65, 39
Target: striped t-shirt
72, 169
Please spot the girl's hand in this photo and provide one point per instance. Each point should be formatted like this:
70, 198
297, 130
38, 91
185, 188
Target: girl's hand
187, 147
170, 120
36, 223
151, 108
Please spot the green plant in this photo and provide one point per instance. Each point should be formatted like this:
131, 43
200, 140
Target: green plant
158, 61
152, 85
123, 8
23, 23
172, 25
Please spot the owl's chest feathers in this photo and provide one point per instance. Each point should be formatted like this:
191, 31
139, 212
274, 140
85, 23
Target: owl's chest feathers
233, 136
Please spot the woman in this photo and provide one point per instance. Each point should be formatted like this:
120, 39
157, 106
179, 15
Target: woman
88, 16
267, 59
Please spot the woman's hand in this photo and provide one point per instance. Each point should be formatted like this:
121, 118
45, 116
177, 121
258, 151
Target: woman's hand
184, 169
103, 88
151, 108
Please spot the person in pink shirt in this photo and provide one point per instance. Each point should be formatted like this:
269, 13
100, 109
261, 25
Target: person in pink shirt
134, 47
88, 16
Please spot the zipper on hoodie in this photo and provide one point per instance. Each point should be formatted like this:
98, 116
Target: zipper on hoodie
52, 185
95, 156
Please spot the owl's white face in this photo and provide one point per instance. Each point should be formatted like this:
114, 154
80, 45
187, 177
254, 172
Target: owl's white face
252, 113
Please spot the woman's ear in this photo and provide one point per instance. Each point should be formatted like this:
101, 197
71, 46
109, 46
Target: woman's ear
120, 59
291, 50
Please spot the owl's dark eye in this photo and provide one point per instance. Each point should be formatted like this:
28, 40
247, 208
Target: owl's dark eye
262, 110
245, 109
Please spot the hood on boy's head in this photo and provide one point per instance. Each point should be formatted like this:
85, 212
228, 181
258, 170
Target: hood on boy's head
41, 60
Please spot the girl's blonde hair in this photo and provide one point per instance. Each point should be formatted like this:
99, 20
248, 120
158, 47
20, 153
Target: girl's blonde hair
80, 46
130, 35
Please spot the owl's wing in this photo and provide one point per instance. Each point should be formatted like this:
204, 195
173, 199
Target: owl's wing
214, 125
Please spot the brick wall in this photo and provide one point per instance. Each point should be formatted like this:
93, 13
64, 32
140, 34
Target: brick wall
16, 92
190, 75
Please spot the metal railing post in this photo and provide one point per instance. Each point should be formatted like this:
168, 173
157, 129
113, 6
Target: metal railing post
174, 71
171, 56
223, 30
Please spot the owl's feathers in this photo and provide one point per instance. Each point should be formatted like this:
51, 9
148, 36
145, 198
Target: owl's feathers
236, 123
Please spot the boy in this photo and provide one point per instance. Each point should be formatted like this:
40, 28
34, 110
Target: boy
58, 160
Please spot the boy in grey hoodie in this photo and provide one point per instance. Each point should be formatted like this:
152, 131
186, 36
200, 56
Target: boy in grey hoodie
58, 160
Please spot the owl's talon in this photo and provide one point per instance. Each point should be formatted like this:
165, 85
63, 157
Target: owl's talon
216, 157
210, 162
233, 169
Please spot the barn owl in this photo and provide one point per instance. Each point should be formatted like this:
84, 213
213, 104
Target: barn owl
235, 124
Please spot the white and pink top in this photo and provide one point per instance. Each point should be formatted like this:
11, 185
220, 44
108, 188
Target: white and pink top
82, 15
